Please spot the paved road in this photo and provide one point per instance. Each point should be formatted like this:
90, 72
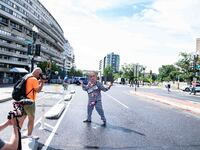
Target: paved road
133, 123
173, 94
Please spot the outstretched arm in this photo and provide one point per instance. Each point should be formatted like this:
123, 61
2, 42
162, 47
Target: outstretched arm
103, 88
84, 87
13, 143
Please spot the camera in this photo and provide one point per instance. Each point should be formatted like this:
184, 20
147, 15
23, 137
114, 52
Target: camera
18, 108
43, 76
17, 112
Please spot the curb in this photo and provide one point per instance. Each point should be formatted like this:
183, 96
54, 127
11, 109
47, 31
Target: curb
185, 105
5, 99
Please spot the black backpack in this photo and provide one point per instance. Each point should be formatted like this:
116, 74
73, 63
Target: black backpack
19, 91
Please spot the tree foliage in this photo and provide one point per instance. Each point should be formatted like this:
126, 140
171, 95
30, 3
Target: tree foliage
168, 73
182, 69
133, 71
54, 67
184, 63
108, 73
75, 73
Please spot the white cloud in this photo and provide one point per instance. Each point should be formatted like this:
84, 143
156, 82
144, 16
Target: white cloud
152, 38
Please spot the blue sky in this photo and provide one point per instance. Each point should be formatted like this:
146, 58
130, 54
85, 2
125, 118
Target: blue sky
149, 32
126, 10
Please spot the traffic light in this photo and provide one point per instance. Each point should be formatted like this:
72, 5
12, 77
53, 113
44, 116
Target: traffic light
30, 49
37, 49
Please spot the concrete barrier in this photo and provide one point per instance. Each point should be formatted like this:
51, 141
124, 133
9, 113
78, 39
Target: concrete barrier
72, 91
68, 97
55, 111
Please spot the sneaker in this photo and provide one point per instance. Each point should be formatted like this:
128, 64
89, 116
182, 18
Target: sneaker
34, 137
87, 121
24, 136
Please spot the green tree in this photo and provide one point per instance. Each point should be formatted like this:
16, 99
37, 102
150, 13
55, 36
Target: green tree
185, 68
74, 73
118, 75
168, 73
54, 66
71, 72
130, 73
78, 73
42, 65
108, 73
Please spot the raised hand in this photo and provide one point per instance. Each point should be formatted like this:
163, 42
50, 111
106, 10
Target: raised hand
81, 82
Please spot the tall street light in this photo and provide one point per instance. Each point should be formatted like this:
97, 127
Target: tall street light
64, 59
34, 49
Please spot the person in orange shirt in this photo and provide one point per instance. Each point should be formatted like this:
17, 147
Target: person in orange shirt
33, 86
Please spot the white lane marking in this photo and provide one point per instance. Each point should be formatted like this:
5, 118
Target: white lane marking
48, 125
39, 120
48, 141
117, 100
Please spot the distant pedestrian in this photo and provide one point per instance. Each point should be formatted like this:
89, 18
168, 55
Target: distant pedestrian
193, 90
34, 85
168, 87
94, 89
131, 83
65, 83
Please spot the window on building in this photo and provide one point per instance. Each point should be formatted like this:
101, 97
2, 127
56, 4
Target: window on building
3, 20
16, 26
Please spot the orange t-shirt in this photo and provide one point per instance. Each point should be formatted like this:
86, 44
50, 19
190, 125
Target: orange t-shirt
31, 83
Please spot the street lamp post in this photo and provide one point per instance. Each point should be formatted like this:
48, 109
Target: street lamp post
143, 74
33, 47
195, 58
64, 59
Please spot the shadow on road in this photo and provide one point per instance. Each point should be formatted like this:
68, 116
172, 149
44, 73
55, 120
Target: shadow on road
40, 146
123, 129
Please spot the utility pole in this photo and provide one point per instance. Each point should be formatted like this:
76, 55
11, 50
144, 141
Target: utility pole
195, 66
34, 49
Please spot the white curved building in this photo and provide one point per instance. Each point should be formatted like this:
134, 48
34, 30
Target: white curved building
17, 18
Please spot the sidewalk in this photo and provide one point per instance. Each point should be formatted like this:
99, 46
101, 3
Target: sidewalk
6, 94
172, 89
193, 107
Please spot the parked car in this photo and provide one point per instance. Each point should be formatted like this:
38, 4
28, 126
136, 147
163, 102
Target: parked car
197, 89
75, 80
120, 81
185, 88
84, 79
189, 88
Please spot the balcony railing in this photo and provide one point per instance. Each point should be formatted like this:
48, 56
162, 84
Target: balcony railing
13, 38
13, 46
8, 61
13, 54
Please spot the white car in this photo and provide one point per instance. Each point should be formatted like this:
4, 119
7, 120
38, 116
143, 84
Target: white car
189, 88
185, 88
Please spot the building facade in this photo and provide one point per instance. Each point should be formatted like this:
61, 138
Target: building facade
17, 18
113, 60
